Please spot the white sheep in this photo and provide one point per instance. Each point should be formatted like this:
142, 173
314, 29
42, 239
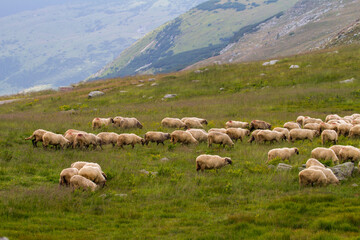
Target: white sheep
129, 139
56, 140
158, 137
254, 136
87, 139
330, 176
126, 123
211, 162
179, 136
222, 130
192, 123
300, 120
325, 154
99, 122
311, 177
312, 120
312, 126
336, 149
354, 131
329, 135
328, 126
108, 138
80, 182
313, 162
259, 124
199, 134
349, 153
237, 133
172, 123
282, 153
201, 120
66, 175
236, 124
332, 117
78, 165
283, 130
94, 174
344, 129
302, 134
291, 125
37, 136
271, 136
71, 135
219, 138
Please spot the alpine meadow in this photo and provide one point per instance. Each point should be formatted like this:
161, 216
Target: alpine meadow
154, 191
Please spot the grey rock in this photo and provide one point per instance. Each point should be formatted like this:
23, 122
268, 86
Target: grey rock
283, 167
143, 171
165, 159
154, 84
343, 171
354, 185
169, 96
294, 66
95, 94
4, 238
151, 79
222, 89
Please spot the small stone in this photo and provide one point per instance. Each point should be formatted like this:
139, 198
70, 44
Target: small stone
122, 91
354, 185
102, 196
221, 89
283, 167
165, 159
343, 171
4, 238
95, 94
154, 84
140, 85
143, 171
351, 80
294, 66
169, 96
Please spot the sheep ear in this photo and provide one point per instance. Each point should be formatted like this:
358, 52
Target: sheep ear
104, 175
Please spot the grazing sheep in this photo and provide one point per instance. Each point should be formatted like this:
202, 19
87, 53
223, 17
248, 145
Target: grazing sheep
199, 134
312, 126
201, 120
313, 162
71, 135
292, 125
211, 162
354, 131
99, 122
129, 139
259, 124
332, 117
325, 154
78, 165
37, 136
192, 123
56, 140
80, 182
312, 120
91, 164
236, 124
237, 133
126, 123
179, 136
329, 135
336, 149
283, 130
66, 175
282, 153
344, 129
271, 136
94, 174
302, 134
300, 120
254, 136
219, 138
330, 176
86, 139
222, 130
349, 153
312, 176
328, 126
158, 137
108, 138
172, 123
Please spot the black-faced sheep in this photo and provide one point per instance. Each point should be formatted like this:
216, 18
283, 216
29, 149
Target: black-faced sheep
86, 139
330, 176
179, 136
158, 137
254, 136
283, 130
282, 153
192, 123
211, 162
219, 138
336, 149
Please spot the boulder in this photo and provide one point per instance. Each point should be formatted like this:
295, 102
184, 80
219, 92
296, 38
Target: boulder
169, 96
95, 94
283, 167
343, 171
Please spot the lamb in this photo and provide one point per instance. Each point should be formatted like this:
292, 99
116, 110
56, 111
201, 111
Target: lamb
325, 154
344, 129
201, 120
179, 136
282, 153
56, 140
192, 123
222, 130
108, 138
312, 176
259, 124
354, 131
271, 136
199, 134
37, 136
329, 135
219, 138
87, 139
93, 174
211, 162
283, 130
313, 162
129, 139
126, 123
254, 136
237, 133
236, 124
99, 122
349, 153
312, 126
302, 134
172, 123
330, 176
291, 125
66, 175
80, 182
158, 137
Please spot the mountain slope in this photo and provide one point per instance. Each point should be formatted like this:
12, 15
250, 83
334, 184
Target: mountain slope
57, 43
307, 26
196, 35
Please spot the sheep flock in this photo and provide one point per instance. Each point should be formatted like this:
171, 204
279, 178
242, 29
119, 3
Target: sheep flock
190, 131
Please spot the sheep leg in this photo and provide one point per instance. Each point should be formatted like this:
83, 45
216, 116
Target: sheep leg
34, 143
133, 145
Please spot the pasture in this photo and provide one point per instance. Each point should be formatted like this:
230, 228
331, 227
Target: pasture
246, 200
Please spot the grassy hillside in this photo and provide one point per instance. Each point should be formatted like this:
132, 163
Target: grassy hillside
196, 35
244, 201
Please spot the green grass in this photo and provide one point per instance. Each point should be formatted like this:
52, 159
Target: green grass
244, 201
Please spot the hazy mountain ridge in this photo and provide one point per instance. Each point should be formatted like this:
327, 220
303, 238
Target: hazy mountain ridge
64, 42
